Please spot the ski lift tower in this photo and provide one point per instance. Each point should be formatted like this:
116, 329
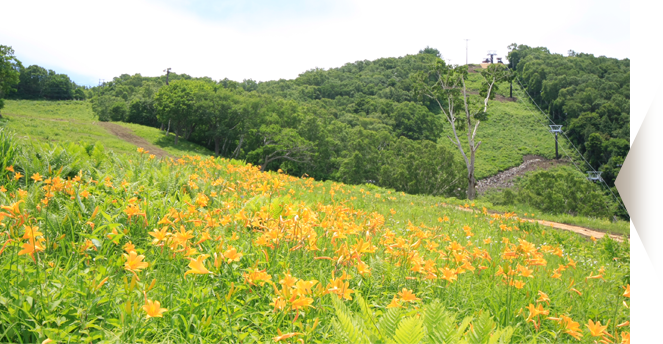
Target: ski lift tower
556, 129
492, 53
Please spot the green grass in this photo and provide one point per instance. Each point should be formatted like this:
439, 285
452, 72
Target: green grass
166, 142
78, 288
619, 227
73, 121
512, 131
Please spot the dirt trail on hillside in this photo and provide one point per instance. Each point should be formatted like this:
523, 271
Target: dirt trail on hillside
127, 135
587, 232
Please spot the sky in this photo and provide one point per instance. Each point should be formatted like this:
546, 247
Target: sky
269, 40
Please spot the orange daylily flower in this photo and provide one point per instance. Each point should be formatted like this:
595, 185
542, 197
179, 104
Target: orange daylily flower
627, 291
536, 311
395, 303
134, 261
197, 266
543, 297
232, 255
36, 177
153, 309
596, 329
285, 336
407, 296
571, 327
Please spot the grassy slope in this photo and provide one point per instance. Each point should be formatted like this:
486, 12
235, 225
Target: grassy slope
161, 187
512, 131
66, 121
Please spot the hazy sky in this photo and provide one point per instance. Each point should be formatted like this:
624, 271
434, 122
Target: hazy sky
267, 40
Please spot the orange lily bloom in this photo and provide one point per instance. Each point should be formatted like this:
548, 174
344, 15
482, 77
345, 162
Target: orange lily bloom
153, 309
596, 329
134, 261
197, 266
407, 296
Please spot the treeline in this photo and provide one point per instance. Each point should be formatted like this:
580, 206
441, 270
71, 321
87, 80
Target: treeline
36, 82
588, 95
356, 124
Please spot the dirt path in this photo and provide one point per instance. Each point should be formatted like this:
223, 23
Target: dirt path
587, 232
127, 135
580, 230
505, 178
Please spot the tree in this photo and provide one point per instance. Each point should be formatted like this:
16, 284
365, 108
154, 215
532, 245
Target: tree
174, 103
281, 143
445, 85
31, 82
9, 71
58, 87
108, 108
223, 117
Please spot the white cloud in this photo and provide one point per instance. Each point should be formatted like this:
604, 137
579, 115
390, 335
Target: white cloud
102, 40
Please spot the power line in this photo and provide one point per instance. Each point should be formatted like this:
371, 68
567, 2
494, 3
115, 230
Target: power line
574, 147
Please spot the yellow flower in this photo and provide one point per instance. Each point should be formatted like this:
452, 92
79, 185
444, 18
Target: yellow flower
153, 309
407, 295
394, 303
596, 329
448, 274
543, 297
36, 177
134, 261
197, 266
128, 247
627, 291
232, 255
285, 336
571, 327
626, 337
536, 311
302, 302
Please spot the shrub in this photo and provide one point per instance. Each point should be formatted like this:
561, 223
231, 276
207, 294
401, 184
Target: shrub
557, 191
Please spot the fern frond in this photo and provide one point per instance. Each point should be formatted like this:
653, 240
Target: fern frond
410, 330
502, 336
370, 322
481, 329
350, 328
389, 322
440, 324
460, 331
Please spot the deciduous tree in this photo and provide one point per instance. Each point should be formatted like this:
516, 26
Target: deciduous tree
445, 85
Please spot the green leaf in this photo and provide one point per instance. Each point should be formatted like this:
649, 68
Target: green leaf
410, 330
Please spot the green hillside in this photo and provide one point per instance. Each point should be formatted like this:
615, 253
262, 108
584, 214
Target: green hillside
73, 121
109, 248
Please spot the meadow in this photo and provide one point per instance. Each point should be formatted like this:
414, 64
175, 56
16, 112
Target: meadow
73, 121
98, 246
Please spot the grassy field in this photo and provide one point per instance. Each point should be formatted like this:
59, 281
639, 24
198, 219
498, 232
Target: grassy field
133, 249
512, 131
73, 121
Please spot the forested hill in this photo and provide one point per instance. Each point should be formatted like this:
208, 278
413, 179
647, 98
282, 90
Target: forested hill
356, 124
363, 122
588, 95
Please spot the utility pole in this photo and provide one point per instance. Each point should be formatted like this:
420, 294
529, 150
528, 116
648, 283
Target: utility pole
466, 39
167, 70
